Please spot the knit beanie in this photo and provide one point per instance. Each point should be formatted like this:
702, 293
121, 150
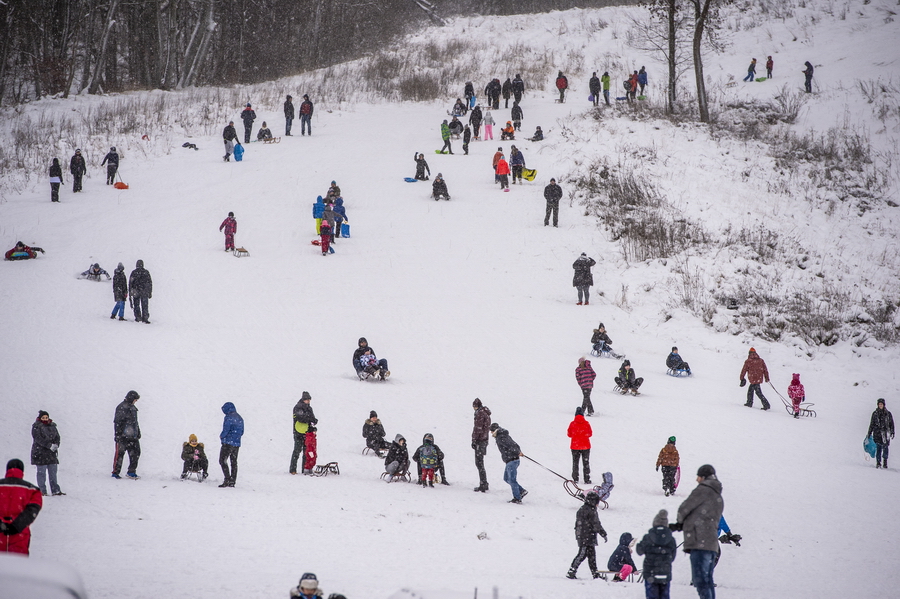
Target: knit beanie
661, 519
672, 440
15, 463
305, 396
42, 413
372, 414
192, 439
579, 411
132, 396
494, 427
476, 403
706, 471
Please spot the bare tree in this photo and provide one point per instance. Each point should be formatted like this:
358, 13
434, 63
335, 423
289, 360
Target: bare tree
706, 23
665, 35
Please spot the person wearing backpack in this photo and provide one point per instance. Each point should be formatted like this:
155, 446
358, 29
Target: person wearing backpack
659, 550
562, 84
428, 457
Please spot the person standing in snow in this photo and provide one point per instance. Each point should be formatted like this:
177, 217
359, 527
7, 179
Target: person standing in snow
55, 180
507, 92
585, 375
517, 162
78, 168
467, 137
330, 216
229, 134
488, 126
306, 112
113, 158
770, 64
373, 433
232, 431
469, 92
421, 167
427, 458
552, 194
580, 433
595, 87
669, 460
583, 279
304, 417
517, 116
797, 393
497, 156
481, 431
140, 286
45, 452
620, 561
120, 292
674, 361
587, 527
20, 503
808, 73
248, 116
562, 84
632, 87
503, 172
475, 120
397, 460
229, 225
751, 71
755, 370
659, 550
518, 88
698, 518
127, 434
642, 79
445, 135
881, 429
288, 114
605, 80
510, 453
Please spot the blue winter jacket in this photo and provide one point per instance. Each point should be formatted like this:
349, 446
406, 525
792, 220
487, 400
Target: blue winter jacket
233, 427
318, 208
339, 208
518, 159
642, 78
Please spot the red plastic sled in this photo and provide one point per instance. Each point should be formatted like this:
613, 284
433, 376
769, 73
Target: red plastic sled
120, 185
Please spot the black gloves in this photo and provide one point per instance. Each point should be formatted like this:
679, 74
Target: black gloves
605, 540
743, 382
6, 529
657, 467
676, 526
731, 538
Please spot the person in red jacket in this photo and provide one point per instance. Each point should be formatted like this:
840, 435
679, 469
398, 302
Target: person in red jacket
503, 172
755, 370
230, 227
633, 87
585, 376
23, 252
20, 502
580, 432
796, 393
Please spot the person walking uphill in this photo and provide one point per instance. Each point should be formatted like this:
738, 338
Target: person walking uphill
587, 527
580, 433
127, 434
669, 460
595, 87
659, 550
44, 448
288, 114
113, 158
881, 429
248, 116
583, 279
481, 432
552, 194
562, 84
120, 292
510, 453
140, 286
751, 71
229, 225
755, 370
698, 518
55, 180
229, 134
78, 168
445, 135
304, 417
585, 376
306, 112
232, 431
20, 503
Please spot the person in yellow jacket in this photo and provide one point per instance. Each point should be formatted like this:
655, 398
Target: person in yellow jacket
303, 418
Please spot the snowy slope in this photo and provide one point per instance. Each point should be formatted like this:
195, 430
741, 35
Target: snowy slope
467, 298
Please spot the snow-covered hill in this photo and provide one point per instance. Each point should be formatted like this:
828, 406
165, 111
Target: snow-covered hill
467, 298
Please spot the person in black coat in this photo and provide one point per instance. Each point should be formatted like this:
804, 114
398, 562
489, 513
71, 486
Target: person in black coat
78, 168
304, 418
112, 157
492, 91
55, 180
248, 116
475, 119
553, 194
675, 362
397, 460
421, 167
595, 87
373, 433
288, 114
120, 292
881, 429
229, 134
510, 454
306, 112
587, 527
518, 88
44, 447
659, 550
467, 137
439, 188
583, 279
621, 557
362, 346
140, 286
627, 379
440, 460
506, 90
127, 434
517, 116
808, 73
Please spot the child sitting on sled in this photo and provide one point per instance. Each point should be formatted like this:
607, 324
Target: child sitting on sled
194, 457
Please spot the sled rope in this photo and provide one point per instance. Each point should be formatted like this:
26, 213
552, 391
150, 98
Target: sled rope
545, 468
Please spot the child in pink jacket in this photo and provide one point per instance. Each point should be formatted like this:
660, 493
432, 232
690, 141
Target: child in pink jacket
796, 393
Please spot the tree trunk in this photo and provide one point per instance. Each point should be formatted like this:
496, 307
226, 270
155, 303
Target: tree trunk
190, 69
101, 58
701, 14
670, 100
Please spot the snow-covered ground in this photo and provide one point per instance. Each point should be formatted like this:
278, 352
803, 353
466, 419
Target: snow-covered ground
467, 298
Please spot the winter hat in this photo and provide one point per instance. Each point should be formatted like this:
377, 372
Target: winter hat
264, 124
494, 427
445, 121
231, 214
579, 411
305, 396
672, 440
500, 149
626, 363
248, 104
42, 413
600, 326
306, 96
706, 471
95, 265
361, 341
428, 438
440, 175
583, 254
230, 122
581, 360
661, 519
112, 149
139, 264
78, 150
334, 182
120, 267
880, 401
132, 396
192, 439
592, 498
795, 378
476, 403
552, 180
752, 350
373, 414
309, 582
290, 97
15, 463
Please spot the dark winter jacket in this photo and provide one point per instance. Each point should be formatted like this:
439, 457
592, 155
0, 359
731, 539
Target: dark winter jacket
809, 71
303, 417
263, 134
517, 158
373, 431
20, 502
585, 375
125, 422
659, 550
594, 85
583, 276
229, 133
597, 337
421, 166
120, 286
881, 426
56, 170
456, 127
232, 426
481, 432
439, 188
493, 89
43, 436
509, 449
755, 369
467, 135
627, 376
428, 439
77, 166
187, 452
288, 109
306, 108
476, 117
587, 525
674, 361
469, 90
518, 86
699, 514
360, 351
642, 77
248, 115
516, 113
553, 194
139, 283
622, 554
506, 89
112, 158
398, 453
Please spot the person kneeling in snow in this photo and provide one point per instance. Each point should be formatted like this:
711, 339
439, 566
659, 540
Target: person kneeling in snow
194, 457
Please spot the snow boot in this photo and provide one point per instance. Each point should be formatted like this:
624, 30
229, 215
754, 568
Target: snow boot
111, 316
749, 404
571, 575
796, 415
116, 476
885, 464
878, 465
431, 484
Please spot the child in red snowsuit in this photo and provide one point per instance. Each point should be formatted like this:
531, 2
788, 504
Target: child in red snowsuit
325, 234
230, 227
797, 394
310, 454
